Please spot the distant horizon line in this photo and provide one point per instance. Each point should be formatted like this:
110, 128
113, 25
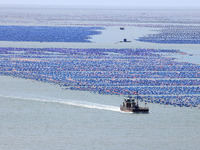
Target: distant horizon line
99, 6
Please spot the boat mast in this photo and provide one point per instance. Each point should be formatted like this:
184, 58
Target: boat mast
137, 97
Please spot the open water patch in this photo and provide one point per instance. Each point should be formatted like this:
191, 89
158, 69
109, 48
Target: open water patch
48, 33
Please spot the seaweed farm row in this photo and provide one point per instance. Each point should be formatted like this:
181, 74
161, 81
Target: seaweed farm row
174, 35
47, 33
158, 78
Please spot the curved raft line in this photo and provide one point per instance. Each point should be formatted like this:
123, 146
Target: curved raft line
84, 104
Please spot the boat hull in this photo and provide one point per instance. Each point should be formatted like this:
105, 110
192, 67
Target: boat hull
135, 110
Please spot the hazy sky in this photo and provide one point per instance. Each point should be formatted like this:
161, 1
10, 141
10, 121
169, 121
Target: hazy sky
181, 3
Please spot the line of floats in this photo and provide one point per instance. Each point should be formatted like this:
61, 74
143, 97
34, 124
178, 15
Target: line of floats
158, 79
173, 34
48, 33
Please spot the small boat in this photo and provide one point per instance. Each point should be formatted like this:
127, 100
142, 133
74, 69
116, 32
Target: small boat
125, 40
122, 28
130, 105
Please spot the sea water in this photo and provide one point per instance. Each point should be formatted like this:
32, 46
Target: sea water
37, 115
42, 116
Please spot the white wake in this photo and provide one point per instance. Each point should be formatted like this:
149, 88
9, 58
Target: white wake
68, 102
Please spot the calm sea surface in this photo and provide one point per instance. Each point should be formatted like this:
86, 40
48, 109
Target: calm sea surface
44, 116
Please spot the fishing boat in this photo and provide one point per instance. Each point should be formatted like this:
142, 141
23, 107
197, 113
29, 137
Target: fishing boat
130, 105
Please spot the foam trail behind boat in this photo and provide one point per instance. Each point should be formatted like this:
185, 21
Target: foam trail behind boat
91, 105
69, 102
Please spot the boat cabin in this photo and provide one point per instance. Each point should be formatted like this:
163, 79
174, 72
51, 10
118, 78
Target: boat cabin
130, 103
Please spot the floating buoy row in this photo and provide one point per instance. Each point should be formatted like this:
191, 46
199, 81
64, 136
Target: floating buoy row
108, 71
174, 35
187, 101
47, 33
